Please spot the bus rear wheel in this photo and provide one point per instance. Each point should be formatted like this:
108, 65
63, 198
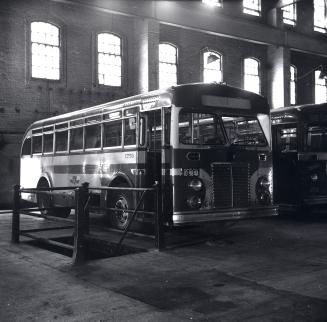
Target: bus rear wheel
44, 201
122, 201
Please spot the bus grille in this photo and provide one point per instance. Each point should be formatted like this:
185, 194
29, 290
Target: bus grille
231, 186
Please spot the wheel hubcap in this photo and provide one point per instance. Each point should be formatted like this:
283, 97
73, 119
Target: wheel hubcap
122, 216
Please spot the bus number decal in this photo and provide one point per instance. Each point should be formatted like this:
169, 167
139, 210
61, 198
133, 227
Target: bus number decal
191, 172
129, 155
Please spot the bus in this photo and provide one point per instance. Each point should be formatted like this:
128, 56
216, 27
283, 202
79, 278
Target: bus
208, 145
300, 157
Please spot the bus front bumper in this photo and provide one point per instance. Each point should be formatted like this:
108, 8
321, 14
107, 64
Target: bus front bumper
203, 216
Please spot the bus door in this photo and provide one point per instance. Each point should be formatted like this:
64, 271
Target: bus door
285, 162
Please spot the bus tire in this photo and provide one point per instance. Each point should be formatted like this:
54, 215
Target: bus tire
45, 201
120, 199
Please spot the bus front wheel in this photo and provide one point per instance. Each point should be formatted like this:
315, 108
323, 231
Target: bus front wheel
44, 201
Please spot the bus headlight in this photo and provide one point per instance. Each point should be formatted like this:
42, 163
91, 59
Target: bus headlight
314, 177
262, 189
194, 202
196, 184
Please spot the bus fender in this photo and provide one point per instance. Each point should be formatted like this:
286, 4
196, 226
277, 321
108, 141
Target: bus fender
46, 176
119, 177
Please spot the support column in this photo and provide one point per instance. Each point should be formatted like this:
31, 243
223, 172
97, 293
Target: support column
146, 44
278, 76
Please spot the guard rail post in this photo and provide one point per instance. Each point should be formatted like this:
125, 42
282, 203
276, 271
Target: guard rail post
158, 222
15, 215
81, 223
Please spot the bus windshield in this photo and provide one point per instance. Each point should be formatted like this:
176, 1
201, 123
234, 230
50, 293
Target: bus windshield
244, 130
200, 128
317, 138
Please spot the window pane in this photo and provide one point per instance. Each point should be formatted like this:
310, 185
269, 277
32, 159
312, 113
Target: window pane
244, 131
61, 141
76, 138
292, 85
48, 143
93, 136
217, 3
167, 65
37, 144
212, 71
45, 50
289, 13
252, 7
112, 134
320, 16
251, 75
130, 131
200, 128
26, 150
320, 88
109, 60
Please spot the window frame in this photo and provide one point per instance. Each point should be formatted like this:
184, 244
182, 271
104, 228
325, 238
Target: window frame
162, 62
294, 82
97, 59
287, 20
316, 77
60, 48
317, 28
251, 11
259, 73
216, 53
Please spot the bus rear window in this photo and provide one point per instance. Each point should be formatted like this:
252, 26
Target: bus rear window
76, 138
317, 138
61, 141
288, 139
37, 144
112, 134
200, 128
26, 150
93, 136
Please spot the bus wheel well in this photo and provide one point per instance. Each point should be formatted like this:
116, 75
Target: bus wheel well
42, 182
119, 181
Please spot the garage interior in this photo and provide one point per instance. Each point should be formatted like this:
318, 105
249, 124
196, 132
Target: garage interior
270, 269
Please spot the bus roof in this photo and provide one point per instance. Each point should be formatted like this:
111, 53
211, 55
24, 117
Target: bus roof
186, 95
298, 110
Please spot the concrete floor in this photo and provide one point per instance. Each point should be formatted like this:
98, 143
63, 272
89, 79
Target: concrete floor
263, 270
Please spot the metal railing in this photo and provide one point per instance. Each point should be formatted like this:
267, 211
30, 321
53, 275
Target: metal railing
81, 222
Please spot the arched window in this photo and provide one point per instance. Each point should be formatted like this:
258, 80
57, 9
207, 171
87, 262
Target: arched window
251, 77
109, 59
293, 73
212, 67
320, 88
45, 49
167, 65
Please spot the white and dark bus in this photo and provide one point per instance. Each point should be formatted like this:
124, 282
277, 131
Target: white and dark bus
300, 157
208, 146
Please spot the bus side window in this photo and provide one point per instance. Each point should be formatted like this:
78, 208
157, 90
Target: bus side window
112, 133
48, 143
93, 136
76, 138
37, 144
130, 131
26, 150
61, 141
